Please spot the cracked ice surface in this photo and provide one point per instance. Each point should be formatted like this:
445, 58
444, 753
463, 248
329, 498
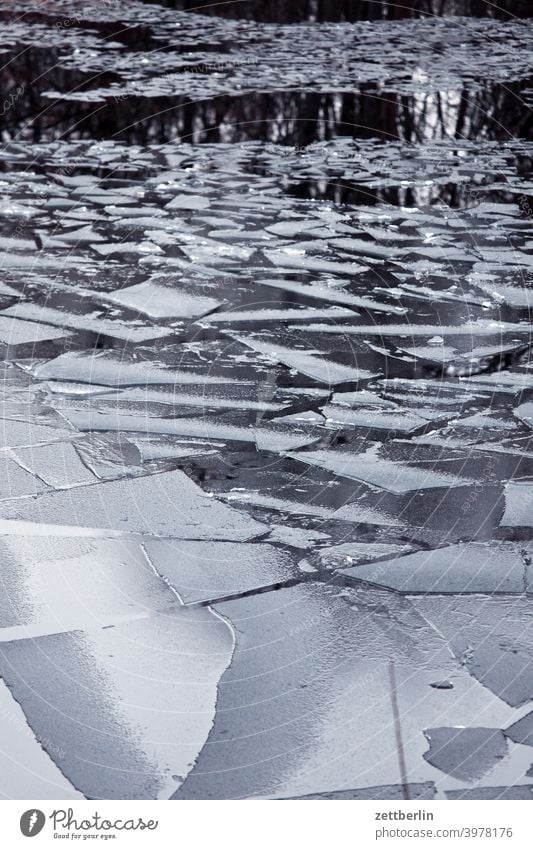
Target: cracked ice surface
267, 405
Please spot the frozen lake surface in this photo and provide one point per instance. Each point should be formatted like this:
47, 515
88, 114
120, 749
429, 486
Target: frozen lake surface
267, 402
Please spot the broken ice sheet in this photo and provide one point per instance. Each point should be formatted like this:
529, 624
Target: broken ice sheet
464, 568
55, 585
322, 657
167, 504
139, 694
378, 471
200, 571
465, 753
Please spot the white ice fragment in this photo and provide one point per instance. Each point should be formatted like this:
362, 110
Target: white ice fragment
104, 368
14, 331
463, 568
481, 327
312, 364
189, 202
376, 471
74, 321
279, 315
163, 301
200, 571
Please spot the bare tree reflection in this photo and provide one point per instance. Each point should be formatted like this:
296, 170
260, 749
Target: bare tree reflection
353, 10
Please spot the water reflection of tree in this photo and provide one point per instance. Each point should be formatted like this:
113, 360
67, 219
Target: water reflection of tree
353, 10
296, 117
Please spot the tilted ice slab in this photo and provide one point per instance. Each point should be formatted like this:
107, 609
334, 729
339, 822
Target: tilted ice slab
14, 331
162, 448
37, 261
507, 382
464, 568
297, 537
400, 420
366, 248
312, 365
335, 295
206, 400
142, 247
294, 258
481, 327
278, 315
352, 512
163, 301
189, 202
123, 710
117, 329
168, 504
107, 369
516, 296
273, 439
376, 471
201, 571
347, 554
